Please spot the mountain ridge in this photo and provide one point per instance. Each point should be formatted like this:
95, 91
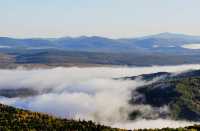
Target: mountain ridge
100, 44
143, 51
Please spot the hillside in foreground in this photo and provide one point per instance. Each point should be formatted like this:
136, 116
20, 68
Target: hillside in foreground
16, 119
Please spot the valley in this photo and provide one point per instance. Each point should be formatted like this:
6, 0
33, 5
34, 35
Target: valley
154, 93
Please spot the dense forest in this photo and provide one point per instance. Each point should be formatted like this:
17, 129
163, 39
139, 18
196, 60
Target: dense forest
181, 93
14, 119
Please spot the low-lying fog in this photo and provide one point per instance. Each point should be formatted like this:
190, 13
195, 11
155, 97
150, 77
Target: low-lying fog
85, 93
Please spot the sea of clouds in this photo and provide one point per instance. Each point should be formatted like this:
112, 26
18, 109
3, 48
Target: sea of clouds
88, 93
194, 46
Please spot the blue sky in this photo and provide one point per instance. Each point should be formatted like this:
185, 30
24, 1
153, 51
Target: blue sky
110, 18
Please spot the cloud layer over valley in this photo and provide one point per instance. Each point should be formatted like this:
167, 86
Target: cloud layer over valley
85, 93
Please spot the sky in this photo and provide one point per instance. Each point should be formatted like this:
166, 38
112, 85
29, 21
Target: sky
109, 18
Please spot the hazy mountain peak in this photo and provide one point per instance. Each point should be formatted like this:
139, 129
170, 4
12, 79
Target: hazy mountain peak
168, 35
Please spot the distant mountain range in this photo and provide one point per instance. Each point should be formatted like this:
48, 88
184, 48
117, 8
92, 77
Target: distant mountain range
163, 43
159, 49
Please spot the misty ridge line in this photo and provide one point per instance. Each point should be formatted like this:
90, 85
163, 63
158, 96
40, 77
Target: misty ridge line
106, 37
73, 90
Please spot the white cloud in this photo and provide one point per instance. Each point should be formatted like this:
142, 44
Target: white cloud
159, 123
2, 46
192, 46
86, 93
155, 46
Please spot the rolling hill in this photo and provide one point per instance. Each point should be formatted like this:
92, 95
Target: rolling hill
14, 119
17, 119
180, 93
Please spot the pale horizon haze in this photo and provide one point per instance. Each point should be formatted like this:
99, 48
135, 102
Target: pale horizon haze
108, 18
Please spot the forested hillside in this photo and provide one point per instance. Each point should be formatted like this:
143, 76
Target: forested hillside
17, 119
180, 93
13, 119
